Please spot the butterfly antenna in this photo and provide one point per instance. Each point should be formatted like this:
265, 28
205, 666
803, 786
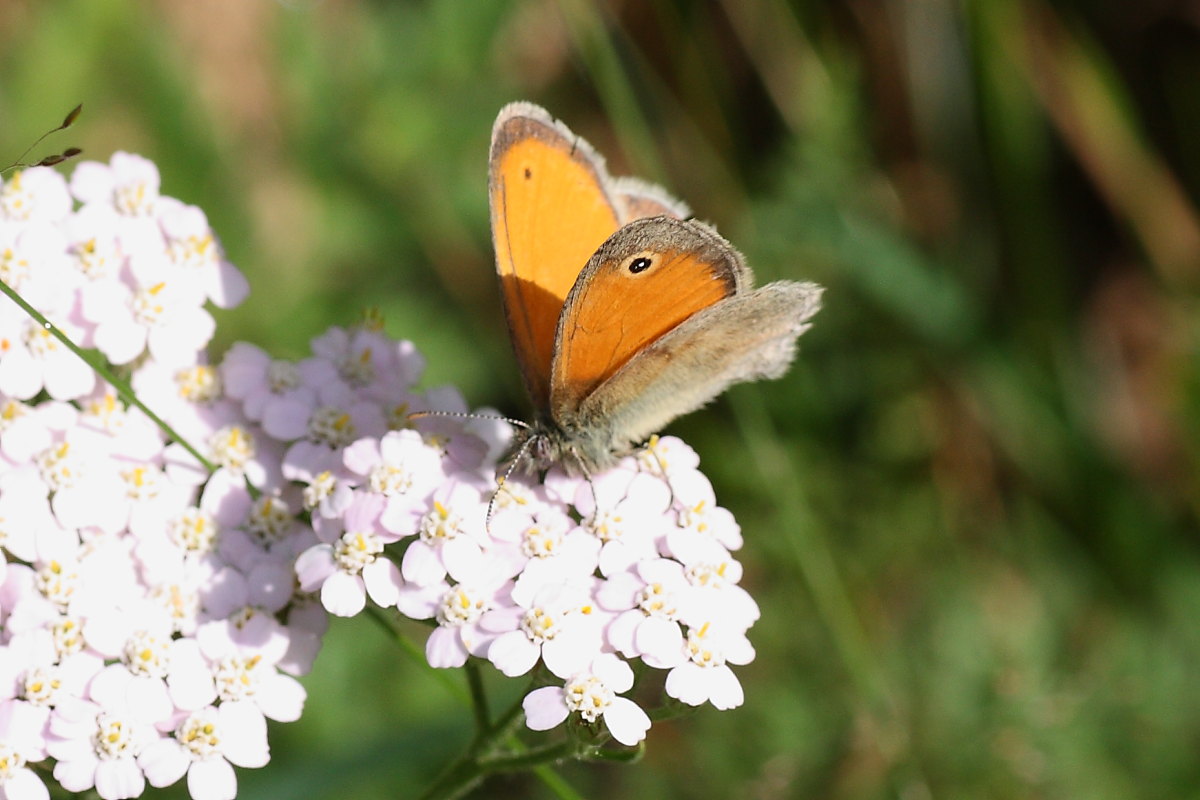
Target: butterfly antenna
469, 415
57, 158
503, 479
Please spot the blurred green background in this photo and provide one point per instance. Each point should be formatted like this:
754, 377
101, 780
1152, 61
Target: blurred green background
971, 508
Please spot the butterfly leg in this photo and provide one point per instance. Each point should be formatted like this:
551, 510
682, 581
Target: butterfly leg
509, 469
662, 469
587, 476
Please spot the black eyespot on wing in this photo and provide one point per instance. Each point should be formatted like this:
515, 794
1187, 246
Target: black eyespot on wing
528, 173
639, 264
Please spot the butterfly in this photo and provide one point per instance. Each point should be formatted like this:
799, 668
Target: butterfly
624, 314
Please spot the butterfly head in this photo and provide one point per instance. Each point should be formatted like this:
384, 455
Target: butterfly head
545, 444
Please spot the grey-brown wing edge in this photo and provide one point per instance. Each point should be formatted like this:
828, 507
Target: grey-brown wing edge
751, 336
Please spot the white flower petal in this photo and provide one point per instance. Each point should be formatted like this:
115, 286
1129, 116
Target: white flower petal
567, 654
686, 683
212, 779
343, 595
361, 456
244, 734
422, 565
659, 638
383, 582
621, 631
281, 698
615, 673
148, 699
544, 708
444, 648
230, 287
24, 784
20, 374
120, 339
314, 566
68, 377
420, 602
463, 559
513, 653
724, 689
77, 775
626, 721
164, 762
119, 778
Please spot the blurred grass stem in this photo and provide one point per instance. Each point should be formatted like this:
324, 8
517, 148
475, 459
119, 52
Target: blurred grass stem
814, 557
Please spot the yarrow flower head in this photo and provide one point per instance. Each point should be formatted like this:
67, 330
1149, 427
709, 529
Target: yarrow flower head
562, 571
158, 598
137, 585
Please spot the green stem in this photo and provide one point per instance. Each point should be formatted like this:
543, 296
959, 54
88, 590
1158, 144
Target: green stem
507, 725
461, 777
555, 783
671, 711
550, 754
97, 364
814, 555
469, 770
626, 755
416, 653
479, 701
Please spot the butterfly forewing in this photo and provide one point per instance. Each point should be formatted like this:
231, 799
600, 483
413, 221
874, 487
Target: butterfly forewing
638, 199
551, 209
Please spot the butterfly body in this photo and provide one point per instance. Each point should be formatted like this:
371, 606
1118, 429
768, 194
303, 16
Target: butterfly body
660, 319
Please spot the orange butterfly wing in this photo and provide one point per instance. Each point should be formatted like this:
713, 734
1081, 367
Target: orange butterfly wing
642, 283
551, 208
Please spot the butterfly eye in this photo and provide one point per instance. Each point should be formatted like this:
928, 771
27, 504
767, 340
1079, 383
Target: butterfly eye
639, 264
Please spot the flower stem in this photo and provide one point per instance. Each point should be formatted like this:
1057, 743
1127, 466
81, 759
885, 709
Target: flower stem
415, 653
506, 726
555, 783
673, 709
461, 777
481, 759
101, 369
469, 770
518, 762
625, 755
479, 701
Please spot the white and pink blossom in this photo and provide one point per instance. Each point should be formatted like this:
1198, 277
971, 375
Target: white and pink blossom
594, 695
155, 609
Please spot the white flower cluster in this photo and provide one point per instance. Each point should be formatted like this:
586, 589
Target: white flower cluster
138, 641
568, 572
127, 273
155, 607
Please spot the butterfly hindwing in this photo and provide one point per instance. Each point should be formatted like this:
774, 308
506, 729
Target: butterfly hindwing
747, 337
644, 281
